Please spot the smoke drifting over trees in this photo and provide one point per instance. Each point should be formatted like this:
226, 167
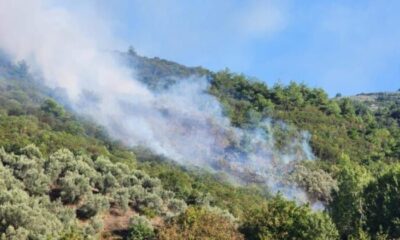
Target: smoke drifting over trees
184, 123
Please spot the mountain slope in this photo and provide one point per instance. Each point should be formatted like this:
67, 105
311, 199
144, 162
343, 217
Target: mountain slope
64, 169
379, 99
160, 73
353, 141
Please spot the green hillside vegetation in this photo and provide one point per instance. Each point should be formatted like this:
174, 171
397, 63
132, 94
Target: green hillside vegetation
352, 142
63, 177
386, 105
159, 73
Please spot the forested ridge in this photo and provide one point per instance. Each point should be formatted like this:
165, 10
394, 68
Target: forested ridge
63, 177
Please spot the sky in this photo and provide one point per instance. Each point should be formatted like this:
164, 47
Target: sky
345, 47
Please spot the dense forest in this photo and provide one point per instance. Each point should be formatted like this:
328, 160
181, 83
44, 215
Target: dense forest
63, 177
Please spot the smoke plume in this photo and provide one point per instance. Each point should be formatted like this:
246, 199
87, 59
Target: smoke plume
184, 123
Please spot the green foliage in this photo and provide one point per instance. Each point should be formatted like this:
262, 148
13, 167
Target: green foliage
281, 219
197, 187
382, 197
140, 229
337, 126
74, 186
51, 107
60, 173
200, 223
317, 183
22, 215
176, 206
15, 234
159, 73
93, 204
46, 197
346, 207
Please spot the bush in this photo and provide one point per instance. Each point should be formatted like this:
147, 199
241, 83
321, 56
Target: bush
129, 180
282, 219
57, 163
176, 206
317, 183
140, 229
36, 182
137, 195
15, 234
73, 187
120, 198
31, 151
92, 205
150, 183
109, 183
152, 201
200, 223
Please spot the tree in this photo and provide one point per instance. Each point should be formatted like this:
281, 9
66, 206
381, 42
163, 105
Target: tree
346, 208
347, 107
382, 198
333, 108
282, 219
50, 106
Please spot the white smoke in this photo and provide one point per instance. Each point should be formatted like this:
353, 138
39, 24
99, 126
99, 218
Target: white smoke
184, 123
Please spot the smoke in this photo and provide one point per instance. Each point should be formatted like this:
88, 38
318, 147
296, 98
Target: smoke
184, 123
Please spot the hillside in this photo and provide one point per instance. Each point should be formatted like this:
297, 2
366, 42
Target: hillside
379, 99
159, 73
385, 106
63, 177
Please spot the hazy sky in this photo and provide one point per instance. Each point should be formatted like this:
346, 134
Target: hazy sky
342, 46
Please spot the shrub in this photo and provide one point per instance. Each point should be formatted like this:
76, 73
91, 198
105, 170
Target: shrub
282, 219
137, 195
73, 187
176, 206
57, 163
27, 213
92, 205
129, 180
109, 183
36, 182
31, 151
72, 233
103, 164
150, 183
120, 198
318, 184
140, 229
152, 201
15, 234
200, 223
93, 227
